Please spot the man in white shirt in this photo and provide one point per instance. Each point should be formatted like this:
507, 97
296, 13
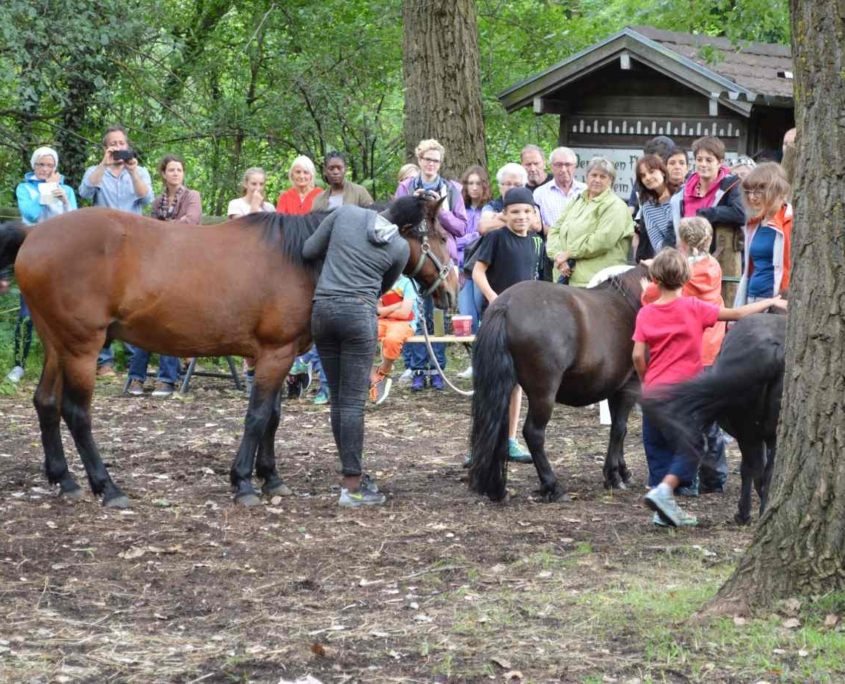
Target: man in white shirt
553, 197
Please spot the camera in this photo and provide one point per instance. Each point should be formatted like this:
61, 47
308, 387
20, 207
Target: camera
123, 155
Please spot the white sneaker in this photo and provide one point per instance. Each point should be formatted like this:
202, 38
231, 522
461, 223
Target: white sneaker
466, 374
15, 374
406, 376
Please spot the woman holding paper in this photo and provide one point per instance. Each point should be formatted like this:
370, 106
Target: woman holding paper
42, 195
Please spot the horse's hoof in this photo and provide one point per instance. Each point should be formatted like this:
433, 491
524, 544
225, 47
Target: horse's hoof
72, 494
121, 502
247, 500
742, 520
278, 488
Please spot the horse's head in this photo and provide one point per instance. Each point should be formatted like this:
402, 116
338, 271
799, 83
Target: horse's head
430, 263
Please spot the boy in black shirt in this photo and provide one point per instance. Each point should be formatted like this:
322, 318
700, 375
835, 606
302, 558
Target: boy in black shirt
508, 256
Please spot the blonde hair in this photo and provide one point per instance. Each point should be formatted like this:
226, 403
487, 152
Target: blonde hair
306, 164
251, 171
670, 269
408, 171
696, 233
769, 179
428, 145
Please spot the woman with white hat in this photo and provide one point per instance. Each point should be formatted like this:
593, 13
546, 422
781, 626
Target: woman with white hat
41, 195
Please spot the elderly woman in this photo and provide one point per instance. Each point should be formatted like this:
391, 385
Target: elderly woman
511, 175
299, 199
595, 229
42, 195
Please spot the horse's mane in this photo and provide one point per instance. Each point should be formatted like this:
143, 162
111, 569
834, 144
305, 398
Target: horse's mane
288, 233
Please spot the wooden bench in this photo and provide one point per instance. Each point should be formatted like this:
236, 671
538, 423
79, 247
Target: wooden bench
445, 339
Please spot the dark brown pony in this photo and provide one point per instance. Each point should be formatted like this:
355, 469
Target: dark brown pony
562, 345
239, 287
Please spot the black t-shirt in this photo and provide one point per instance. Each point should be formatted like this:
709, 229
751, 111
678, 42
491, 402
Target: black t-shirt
510, 258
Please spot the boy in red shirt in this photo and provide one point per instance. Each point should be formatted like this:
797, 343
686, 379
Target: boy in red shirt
667, 350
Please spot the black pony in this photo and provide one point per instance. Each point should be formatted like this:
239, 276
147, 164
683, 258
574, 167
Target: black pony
562, 345
742, 391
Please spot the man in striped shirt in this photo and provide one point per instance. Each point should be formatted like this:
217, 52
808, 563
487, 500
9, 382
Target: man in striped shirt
553, 197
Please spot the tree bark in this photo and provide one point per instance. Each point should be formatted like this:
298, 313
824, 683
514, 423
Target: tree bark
799, 547
442, 81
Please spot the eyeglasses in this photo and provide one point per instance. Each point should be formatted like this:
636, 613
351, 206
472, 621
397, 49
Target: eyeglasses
562, 165
44, 165
510, 184
759, 192
430, 160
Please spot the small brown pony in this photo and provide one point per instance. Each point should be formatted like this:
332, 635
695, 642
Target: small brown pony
240, 287
561, 344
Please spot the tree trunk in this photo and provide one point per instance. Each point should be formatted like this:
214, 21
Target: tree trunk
799, 547
442, 81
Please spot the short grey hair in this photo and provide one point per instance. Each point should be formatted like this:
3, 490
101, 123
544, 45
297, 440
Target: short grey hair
512, 169
531, 148
602, 164
563, 152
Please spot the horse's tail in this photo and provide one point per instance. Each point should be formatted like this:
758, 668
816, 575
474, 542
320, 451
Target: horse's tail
12, 236
683, 411
494, 377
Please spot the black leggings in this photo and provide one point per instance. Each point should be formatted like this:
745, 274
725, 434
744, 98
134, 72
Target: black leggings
345, 330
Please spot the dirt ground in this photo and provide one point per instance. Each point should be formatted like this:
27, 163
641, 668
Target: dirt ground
437, 585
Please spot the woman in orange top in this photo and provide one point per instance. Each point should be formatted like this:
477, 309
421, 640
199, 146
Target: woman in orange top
300, 197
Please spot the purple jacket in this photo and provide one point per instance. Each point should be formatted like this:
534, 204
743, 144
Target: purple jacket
454, 220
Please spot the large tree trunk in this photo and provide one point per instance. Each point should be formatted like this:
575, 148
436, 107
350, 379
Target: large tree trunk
799, 547
442, 81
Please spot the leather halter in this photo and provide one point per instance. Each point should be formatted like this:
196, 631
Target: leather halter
443, 270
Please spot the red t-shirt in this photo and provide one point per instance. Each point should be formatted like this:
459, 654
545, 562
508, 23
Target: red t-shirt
673, 334
290, 202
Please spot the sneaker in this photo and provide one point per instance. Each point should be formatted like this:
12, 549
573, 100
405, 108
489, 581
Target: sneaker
657, 520
302, 372
380, 389
418, 382
362, 497
106, 371
15, 374
712, 489
466, 374
163, 389
437, 382
517, 454
369, 484
322, 397
690, 490
406, 376
667, 508
136, 388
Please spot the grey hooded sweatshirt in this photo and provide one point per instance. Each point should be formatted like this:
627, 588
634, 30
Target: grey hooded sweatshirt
363, 254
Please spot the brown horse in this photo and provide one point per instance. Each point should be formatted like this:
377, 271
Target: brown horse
564, 345
240, 287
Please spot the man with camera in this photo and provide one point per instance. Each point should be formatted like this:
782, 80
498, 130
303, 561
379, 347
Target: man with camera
117, 182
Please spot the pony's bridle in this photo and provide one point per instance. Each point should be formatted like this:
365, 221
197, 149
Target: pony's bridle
443, 270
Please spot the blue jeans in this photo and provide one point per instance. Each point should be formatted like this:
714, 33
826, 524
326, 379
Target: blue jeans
662, 458
312, 357
345, 330
415, 354
106, 355
470, 303
168, 367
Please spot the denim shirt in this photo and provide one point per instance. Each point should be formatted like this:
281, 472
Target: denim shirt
117, 192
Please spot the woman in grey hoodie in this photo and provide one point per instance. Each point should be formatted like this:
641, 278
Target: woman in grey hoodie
363, 255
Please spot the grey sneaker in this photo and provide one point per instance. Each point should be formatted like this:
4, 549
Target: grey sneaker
163, 390
368, 483
667, 508
362, 497
380, 389
136, 388
15, 374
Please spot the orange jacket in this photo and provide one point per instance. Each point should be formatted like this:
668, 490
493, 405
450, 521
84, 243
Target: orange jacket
706, 285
